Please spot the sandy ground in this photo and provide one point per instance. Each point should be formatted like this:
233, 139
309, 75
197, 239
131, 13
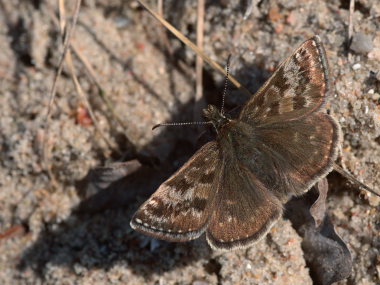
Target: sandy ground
67, 233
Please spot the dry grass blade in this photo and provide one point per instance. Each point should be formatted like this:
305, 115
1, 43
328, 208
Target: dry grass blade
350, 27
13, 231
92, 74
350, 20
199, 100
199, 52
69, 62
66, 42
66, 45
94, 78
78, 87
62, 12
354, 180
164, 37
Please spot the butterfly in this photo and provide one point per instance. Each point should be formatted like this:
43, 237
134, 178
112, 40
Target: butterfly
234, 188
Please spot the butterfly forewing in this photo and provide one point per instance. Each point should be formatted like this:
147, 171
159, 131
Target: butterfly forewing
180, 209
295, 89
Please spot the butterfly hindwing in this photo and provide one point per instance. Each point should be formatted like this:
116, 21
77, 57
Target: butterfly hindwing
244, 211
180, 209
296, 154
297, 88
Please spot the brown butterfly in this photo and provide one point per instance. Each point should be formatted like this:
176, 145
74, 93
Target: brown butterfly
233, 188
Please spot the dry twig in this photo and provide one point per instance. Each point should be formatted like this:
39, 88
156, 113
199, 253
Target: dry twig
353, 179
95, 80
199, 100
350, 26
187, 42
66, 41
350, 19
164, 37
92, 75
78, 87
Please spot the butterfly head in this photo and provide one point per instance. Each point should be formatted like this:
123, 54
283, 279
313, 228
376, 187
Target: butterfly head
215, 116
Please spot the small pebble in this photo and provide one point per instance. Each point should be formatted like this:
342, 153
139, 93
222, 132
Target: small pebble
361, 43
357, 105
376, 96
200, 283
356, 66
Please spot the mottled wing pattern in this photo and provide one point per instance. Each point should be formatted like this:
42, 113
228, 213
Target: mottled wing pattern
244, 211
280, 146
180, 209
295, 89
289, 157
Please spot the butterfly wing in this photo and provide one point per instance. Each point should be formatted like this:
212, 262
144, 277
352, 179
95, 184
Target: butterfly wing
295, 89
244, 211
180, 209
294, 144
290, 157
263, 165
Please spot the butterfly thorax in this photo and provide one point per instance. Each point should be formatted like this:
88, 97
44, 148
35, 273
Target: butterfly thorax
215, 116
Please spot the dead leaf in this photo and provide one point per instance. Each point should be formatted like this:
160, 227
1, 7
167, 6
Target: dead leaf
325, 252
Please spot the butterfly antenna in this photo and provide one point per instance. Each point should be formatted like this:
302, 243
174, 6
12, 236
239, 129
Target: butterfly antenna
225, 83
179, 124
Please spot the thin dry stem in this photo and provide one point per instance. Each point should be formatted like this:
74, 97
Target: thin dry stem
66, 42
353, 179
350, 25
92, 75
66, 45
79, 89
164, 37
199, 100
350, 19
194, 47
62, 15
94, 78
